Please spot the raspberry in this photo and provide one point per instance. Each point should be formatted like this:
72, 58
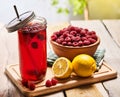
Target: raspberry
25, 29
69, 44
80, 43
65, 29
75, 44
73, 33
77, 38
31, 85
25, 83
86, 42
28, 84
40, 36
64, 43
34, 45
73, 38
90, 33
78, 34
65, 35
54, 37
93, 32
86, 30
84, 38
54, 81
92, 40
67, 39
57, 33
32, 34
88, 36
48, 83
77, 29
59, 41
70, 27
61, 32
94, 36
31, 28
83, 32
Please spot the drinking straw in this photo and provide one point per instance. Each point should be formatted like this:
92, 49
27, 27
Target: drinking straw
16, 11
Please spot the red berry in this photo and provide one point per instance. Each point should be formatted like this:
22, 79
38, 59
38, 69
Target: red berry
54, 37
57, 33
86, 30
54, 81
32, 28
86, 42
83, 38
64, 43
70, 28
67, 39
77, 29
88, 36
61, 32
28, 84
69, 44
34, 45
80, 43
90, 33
31, 85
58, 41
48, 83
93, 32
25, 83
73, 33
92, 40
73, 38
94, 36
78, 34
65, 29
83, 32
77, 38
75, 44
65, 34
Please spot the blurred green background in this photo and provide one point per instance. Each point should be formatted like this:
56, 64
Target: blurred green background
98, 9
104, 9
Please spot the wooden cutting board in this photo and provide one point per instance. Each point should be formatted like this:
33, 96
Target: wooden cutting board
105, 73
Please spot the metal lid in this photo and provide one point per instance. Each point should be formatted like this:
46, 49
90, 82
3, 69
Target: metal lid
16, 23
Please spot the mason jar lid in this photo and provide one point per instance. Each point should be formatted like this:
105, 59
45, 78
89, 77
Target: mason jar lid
20, 22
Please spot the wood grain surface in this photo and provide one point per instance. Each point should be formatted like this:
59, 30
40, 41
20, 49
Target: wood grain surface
109, 43
105, 73
108, 30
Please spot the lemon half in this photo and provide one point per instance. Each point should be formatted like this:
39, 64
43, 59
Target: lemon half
62, 68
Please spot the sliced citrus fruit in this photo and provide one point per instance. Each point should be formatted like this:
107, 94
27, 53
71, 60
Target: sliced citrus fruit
62, 68
84, 65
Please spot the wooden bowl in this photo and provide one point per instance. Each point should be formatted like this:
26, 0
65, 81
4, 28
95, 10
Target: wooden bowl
70, 52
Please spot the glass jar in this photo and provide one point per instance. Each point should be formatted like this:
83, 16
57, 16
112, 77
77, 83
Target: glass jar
32, 45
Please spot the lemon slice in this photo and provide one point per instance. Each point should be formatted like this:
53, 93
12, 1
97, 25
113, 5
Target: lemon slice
62, 68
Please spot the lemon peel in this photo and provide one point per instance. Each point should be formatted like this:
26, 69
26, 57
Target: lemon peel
84, 65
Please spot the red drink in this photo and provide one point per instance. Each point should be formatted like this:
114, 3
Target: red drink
32, 50
32, 45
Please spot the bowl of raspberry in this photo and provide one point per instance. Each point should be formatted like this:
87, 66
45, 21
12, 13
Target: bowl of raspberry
72, 41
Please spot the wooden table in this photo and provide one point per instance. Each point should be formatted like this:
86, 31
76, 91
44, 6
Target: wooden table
108, 30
